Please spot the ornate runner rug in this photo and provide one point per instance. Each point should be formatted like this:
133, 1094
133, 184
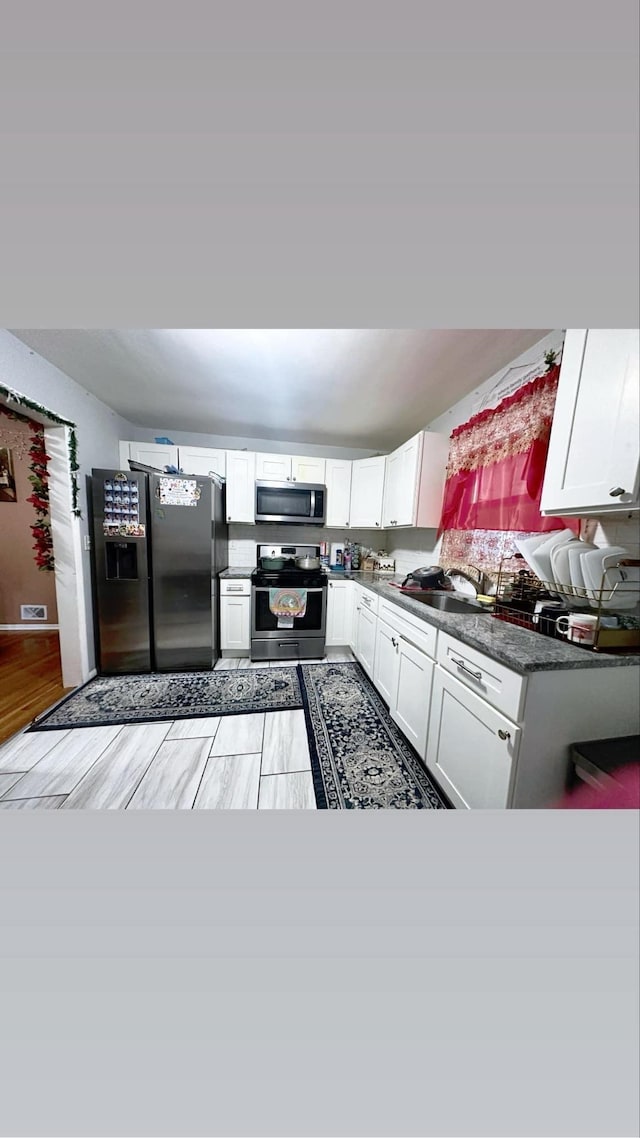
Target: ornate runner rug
157, 696
359, 758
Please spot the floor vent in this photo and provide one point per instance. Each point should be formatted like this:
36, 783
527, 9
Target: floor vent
33, 612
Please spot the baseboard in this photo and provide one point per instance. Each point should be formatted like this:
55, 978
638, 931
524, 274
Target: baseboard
92, 673
29, 627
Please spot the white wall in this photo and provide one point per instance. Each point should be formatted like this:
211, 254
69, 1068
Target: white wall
98, 427
415, 548
230, 442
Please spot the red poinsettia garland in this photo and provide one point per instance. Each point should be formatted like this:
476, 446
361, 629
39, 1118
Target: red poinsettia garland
39, 479
39, 499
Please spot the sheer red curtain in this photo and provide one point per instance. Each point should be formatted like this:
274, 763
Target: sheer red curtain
496, 464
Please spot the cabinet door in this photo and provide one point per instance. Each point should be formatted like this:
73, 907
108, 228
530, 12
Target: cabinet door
241, 485
434, 453
366, 638
411, 711
407, 483
273, 467
472, 749
592, 464
339, 611
154, 454
308, 469
392, 478
367, 487
401, 484
338, 483
235, 627
202, 460
385, 675
124, 454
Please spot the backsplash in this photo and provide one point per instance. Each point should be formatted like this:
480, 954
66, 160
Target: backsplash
613, 531
243, 539
412, 549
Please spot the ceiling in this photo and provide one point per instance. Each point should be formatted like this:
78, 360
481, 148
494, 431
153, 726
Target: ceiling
342, 387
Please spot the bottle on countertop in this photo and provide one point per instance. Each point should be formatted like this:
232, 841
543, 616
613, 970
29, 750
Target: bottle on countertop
346, 560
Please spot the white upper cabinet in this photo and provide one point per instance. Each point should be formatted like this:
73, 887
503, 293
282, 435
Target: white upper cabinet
401, 484
338, 483
151, 454
290, 468
273, 467
241, 486
592, 464
202, 460
308, 470
367, 489
414, 482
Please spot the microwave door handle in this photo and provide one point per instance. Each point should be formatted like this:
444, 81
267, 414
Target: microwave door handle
313, 504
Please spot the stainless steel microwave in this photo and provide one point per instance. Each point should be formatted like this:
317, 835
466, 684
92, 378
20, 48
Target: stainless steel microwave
300, 503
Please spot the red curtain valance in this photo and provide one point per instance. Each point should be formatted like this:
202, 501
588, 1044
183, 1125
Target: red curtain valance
496, 464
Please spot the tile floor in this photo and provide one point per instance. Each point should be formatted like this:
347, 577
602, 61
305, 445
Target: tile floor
248, 762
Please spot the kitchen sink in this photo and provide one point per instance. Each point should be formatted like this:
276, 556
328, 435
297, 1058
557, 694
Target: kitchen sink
446, 603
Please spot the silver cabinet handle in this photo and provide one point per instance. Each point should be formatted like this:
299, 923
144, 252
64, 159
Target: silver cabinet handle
394, 642
377, 523
294, 478
616, 492
504, 734
469, 671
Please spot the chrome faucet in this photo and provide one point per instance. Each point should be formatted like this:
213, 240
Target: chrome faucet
481, 581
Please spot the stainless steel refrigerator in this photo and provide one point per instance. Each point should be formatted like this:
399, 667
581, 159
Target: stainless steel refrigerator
159, 543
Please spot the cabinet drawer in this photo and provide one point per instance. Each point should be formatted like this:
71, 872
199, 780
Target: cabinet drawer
424, 636
498, 685
235, 587
366, 599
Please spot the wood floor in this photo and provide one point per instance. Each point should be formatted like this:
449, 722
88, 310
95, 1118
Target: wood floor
30, 678
259, 761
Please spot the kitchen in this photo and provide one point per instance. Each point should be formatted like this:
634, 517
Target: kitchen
477, 708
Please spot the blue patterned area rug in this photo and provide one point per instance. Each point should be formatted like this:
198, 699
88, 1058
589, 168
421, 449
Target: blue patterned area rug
359, 758
156, 696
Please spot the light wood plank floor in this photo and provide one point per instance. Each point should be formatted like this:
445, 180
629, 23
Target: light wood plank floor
30, 678
247, 762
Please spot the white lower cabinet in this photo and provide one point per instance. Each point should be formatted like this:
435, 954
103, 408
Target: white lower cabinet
385, 676
365, 637
339, 613
472, 749
403, 675
235, 623
411, 711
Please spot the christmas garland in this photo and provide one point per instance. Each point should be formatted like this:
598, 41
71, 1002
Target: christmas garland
39, 499
29, 404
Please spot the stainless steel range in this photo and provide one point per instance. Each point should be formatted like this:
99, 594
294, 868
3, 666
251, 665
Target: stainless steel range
288, 604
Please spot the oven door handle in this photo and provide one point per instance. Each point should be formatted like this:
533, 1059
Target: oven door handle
265, 588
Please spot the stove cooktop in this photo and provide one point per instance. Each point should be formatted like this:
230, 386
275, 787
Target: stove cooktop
303, 578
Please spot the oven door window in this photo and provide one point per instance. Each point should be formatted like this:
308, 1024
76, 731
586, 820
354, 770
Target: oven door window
288, 502
312, 621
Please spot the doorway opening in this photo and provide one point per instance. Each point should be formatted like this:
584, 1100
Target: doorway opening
44, 644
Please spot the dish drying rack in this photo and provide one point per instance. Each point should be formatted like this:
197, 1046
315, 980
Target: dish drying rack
519, 595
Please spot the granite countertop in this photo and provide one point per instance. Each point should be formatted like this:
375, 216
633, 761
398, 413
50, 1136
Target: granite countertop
517, 648
242, 572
